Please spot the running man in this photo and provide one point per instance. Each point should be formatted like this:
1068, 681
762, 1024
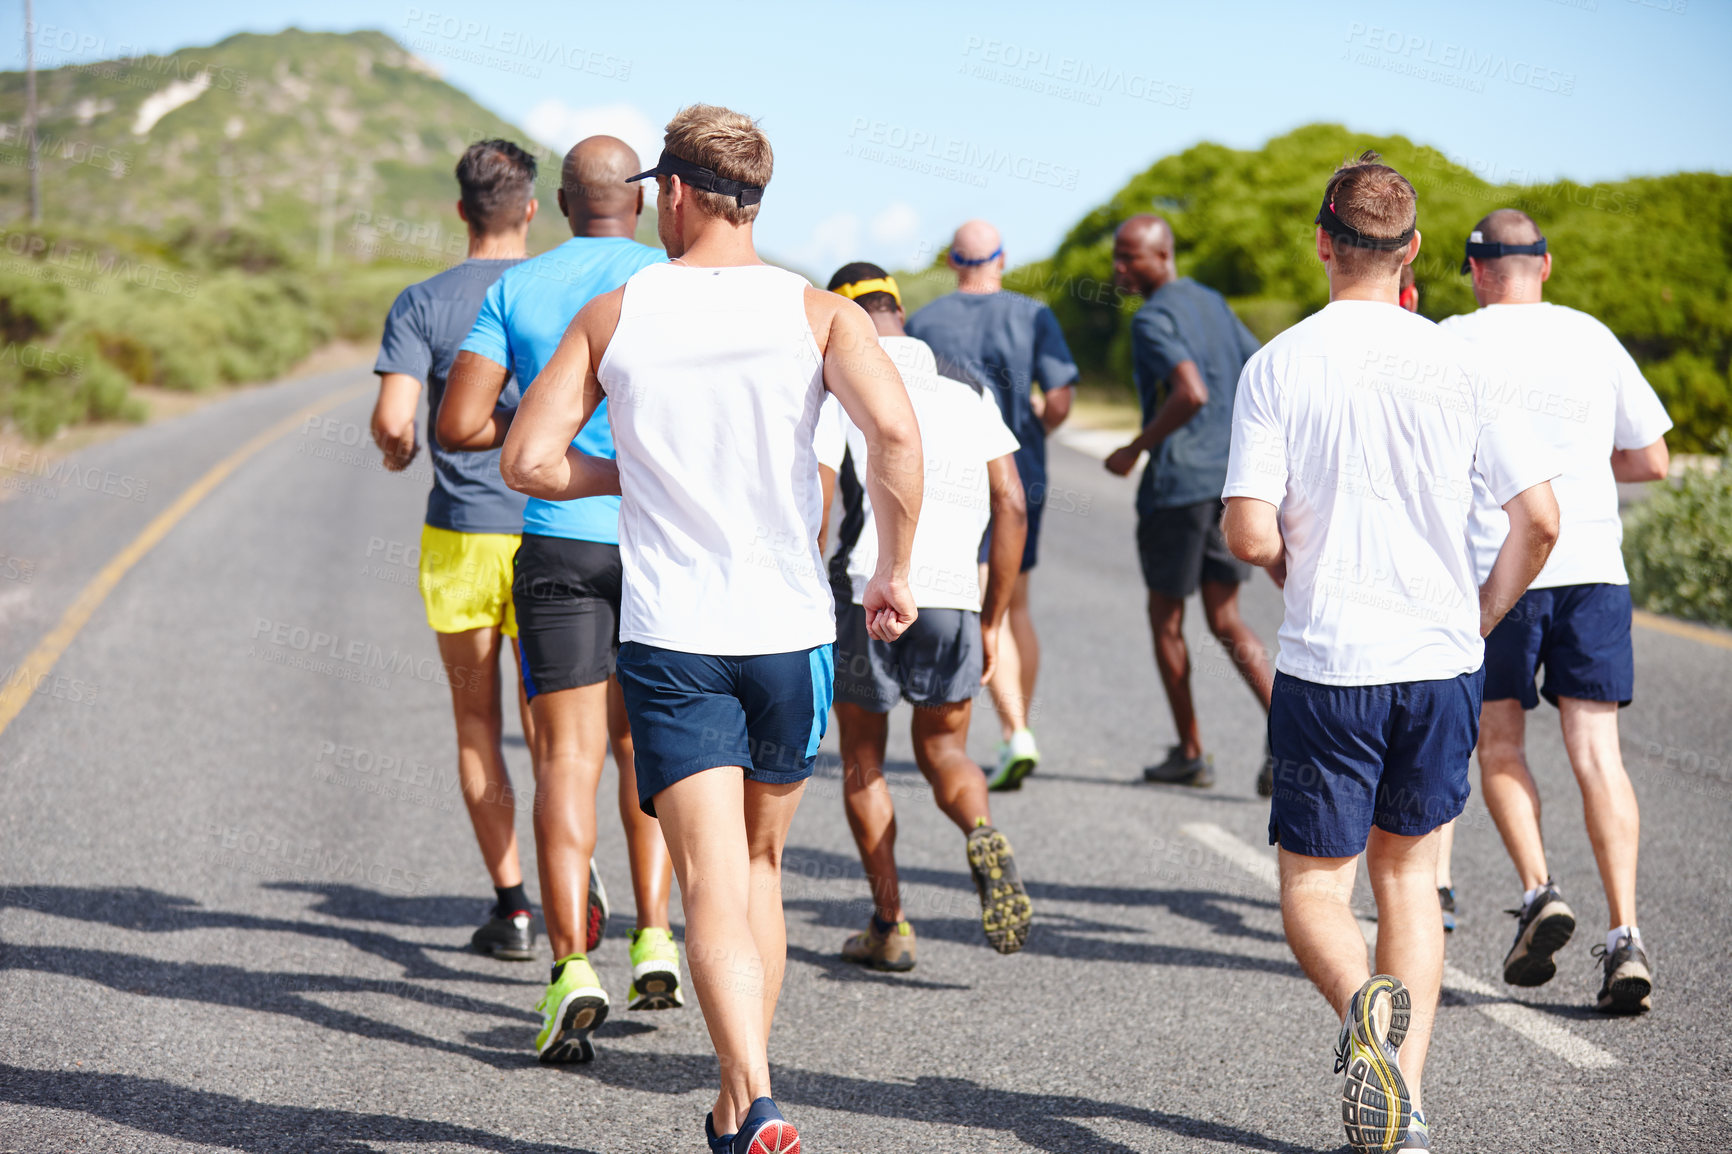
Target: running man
1586, 399
1005, 343
473, 520
1354, 435
944, 658
715, 366
567, 592
1187, 349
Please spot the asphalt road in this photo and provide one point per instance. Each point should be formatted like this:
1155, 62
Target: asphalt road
236, 879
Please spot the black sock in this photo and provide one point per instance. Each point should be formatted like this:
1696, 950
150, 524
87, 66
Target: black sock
882, 927
512, 900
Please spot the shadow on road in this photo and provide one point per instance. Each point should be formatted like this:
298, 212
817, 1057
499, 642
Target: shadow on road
157, 1107
1043, 1121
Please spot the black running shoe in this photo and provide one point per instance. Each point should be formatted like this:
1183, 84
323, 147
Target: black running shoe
1629, 978
1544, 925
509, 937
598, 910
1181, 770
1376, 1110
1005, 912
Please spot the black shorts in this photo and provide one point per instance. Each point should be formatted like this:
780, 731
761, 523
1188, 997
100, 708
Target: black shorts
938, 661
566, 594
1182, 547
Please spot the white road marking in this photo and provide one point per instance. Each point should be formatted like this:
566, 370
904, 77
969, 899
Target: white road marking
1487, 998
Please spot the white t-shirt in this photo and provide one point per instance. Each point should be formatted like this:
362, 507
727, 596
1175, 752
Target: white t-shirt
960, 431
1583, 396
828, 440
714, 383
1365, 425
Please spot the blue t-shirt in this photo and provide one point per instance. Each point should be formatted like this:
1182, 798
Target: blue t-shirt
423, 330
1185, 321
521, 322
1004, 342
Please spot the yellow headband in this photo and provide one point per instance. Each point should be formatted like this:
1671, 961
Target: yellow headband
882, 284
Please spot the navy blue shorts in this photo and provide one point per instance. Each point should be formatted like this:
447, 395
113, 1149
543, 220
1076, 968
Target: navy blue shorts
1348, 757
1579, 634
690, 712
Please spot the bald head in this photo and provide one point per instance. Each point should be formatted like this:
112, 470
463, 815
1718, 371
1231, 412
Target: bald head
975, 241
1143, 254
593, 193
1517, 279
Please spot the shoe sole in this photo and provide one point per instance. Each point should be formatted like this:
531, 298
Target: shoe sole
1529, 962
580, 1013
1005, 911
1201, 779
1013, 774
1628, 992
775, 1138
1373, 1082
504, 955
656, 990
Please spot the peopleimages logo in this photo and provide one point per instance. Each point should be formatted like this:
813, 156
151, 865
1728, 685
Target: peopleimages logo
1429, 58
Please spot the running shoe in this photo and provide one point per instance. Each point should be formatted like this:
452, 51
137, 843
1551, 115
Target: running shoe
1418, 1134
765, 1131
573, 1006
1005, 911
1446, 899
1266, 775
598, 910
1181, 770
719, 1143
1017, 758
1542, 927
655, 971
1629, 978
1375, 1107
891, 950
510, 938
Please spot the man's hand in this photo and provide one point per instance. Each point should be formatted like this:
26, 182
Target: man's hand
889, 606
989, 651
399, 448
1123, 459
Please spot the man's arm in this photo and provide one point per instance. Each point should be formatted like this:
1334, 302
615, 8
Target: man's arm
1533, 530
1252, 528
1004, 559
871, 392
393, 421
1055, 405
538, 457
469, 415
1649, 463
1186, 396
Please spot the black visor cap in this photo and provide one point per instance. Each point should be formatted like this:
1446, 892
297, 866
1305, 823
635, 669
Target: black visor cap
697, 176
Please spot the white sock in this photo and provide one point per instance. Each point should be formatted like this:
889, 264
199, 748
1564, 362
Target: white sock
1527, 898
1613, 936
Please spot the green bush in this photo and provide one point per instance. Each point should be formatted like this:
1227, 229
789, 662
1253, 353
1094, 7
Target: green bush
1678, 545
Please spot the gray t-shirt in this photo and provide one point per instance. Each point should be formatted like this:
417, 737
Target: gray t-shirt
1185, 321
1004, 342
423, 332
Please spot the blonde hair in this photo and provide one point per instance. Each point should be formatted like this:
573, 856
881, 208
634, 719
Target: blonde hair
728, 143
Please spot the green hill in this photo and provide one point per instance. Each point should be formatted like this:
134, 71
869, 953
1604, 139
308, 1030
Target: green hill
1652, 257
213, 215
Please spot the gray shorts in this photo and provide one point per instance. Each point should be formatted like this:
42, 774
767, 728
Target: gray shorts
1182, 547
937, 662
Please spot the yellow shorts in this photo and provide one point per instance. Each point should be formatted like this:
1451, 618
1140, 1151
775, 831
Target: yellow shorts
466, 580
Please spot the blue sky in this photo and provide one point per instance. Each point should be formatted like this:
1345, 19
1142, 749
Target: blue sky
894, 122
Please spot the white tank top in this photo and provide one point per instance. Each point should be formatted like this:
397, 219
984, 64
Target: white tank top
714, 383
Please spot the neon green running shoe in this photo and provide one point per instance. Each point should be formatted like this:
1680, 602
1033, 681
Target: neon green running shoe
1375, 1107
573, 1006
655, 971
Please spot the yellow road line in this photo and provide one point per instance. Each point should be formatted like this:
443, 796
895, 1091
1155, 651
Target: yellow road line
22, 684
1683, 629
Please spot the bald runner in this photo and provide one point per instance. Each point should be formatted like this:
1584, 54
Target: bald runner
1006, 344
567, 589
